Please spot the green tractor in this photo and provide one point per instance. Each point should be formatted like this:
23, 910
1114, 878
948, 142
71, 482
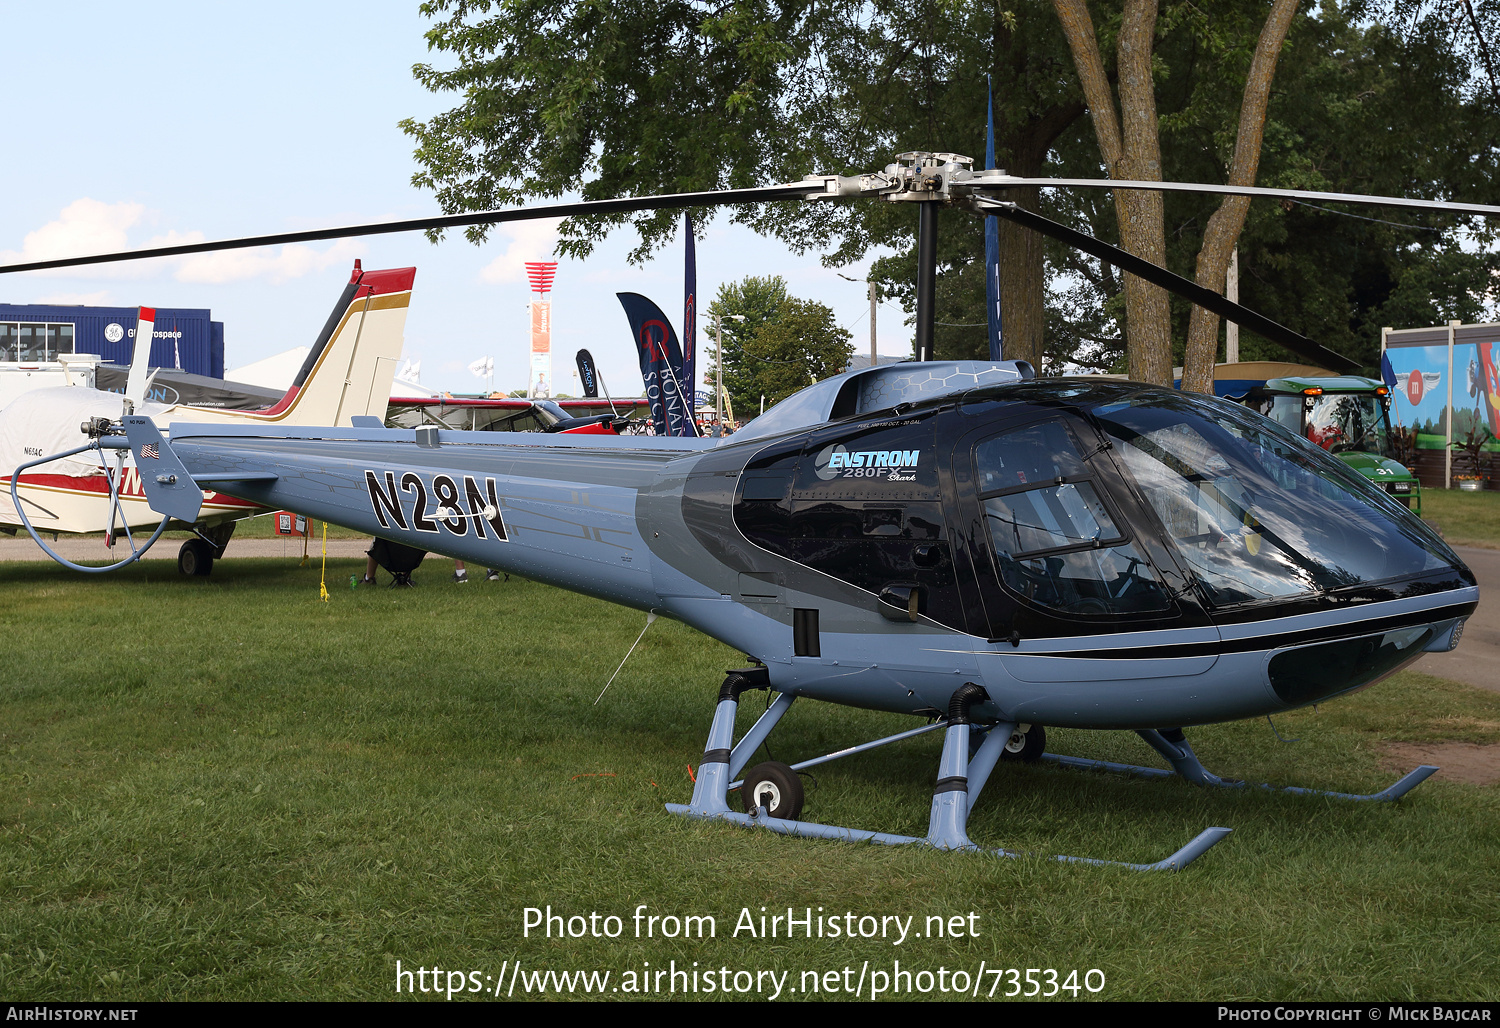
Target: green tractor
1348, 416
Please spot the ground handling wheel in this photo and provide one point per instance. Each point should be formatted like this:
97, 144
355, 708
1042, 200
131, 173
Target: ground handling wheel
775, 787
1027, 743
195, 558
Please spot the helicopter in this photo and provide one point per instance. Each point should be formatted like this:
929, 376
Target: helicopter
959, 541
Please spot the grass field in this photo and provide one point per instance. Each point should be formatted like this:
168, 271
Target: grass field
259, 527
226, 789
1467, 519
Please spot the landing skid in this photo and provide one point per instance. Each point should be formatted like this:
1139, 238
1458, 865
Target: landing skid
960, 780
1185, 764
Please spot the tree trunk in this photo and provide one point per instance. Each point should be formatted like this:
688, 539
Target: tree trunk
1131, 149
1021, 148
1225, 225
1023, 285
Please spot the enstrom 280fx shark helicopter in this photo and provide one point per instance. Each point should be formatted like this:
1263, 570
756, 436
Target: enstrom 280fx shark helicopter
958, 541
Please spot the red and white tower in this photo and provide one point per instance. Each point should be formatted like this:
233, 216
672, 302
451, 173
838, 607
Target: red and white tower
540, 274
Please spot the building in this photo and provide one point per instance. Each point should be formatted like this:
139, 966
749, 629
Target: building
184, 339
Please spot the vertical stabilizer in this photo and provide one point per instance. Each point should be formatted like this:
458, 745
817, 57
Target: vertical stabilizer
348, 372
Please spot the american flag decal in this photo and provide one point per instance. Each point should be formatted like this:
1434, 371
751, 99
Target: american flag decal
150, 451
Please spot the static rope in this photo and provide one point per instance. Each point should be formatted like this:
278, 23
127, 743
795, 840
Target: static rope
650, 617
323, 577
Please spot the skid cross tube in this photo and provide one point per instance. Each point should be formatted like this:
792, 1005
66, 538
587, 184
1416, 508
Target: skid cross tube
98, 444
836, 754
960, 780
1185, 764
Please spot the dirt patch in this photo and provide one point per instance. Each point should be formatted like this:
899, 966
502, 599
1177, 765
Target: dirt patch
1460, 761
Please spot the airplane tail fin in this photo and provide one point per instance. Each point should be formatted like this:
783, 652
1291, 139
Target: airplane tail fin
349, 370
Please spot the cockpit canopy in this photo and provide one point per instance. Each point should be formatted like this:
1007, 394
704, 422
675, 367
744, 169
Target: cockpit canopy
1055, 507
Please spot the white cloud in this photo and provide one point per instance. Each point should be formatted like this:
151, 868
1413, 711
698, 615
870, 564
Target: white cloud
529, 241
88, 226
269, 263
84, 226
102, 298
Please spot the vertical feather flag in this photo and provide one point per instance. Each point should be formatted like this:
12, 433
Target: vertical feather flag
688, 374
992, 241
587, 373
661, 363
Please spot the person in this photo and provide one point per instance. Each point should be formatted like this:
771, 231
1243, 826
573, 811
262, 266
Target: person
461, 573
398, 559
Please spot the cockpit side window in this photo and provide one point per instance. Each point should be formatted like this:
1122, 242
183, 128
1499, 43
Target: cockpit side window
1055, 540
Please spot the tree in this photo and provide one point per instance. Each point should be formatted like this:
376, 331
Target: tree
739, 311
1357, 107
800, 346
621, 99
781, 345
1470, 28
555, 97
1130, 144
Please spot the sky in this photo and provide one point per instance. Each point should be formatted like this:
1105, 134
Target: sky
139, 125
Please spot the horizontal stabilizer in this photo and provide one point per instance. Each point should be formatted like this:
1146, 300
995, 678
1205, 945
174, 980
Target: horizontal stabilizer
207, 477
169, 488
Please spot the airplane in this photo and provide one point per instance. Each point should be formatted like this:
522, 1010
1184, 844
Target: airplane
961, 542
347, 373
516, 414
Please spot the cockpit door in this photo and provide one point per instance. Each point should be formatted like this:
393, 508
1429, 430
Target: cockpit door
1060, 544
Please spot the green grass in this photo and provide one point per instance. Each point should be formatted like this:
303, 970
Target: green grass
262, 526
226, 789
1467, 519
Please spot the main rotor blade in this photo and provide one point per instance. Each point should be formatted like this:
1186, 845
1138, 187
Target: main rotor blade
1267, 192
1205, 298
714, 198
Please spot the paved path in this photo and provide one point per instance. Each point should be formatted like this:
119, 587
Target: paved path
1477, 659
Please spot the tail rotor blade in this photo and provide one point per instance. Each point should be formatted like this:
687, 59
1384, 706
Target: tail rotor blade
135, 383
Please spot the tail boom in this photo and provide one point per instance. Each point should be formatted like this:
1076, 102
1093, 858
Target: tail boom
513, 505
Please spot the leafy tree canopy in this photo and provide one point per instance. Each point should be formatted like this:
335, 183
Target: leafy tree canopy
740, 311
628, 97
774, 343
1358, 107
802, 345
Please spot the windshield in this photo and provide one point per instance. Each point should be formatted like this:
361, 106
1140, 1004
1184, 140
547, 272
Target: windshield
1257, 513
1338, 422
